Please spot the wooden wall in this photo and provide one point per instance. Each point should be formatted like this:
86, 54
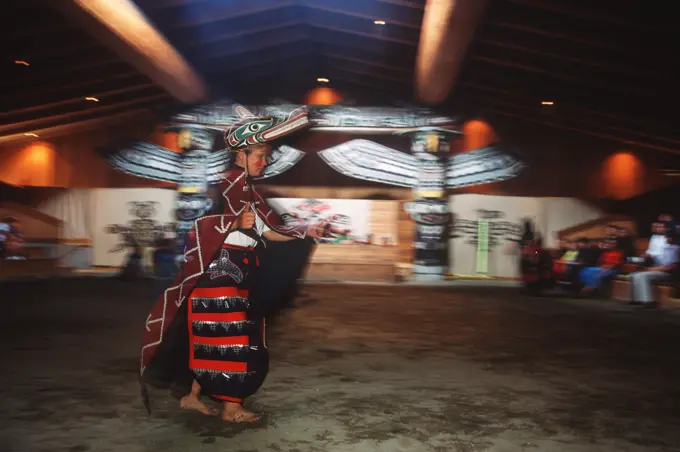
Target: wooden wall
558, 164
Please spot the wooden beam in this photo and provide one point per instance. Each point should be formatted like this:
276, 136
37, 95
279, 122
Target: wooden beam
232, 10
40, 122
564, 76
448, 27
314, 5
72, 127
368, 74
513, 94
389, 67
222, 37
365, 35
257, 47
556, 35
404, 3
590, 15
606, 136
596, 64
80, 99
556, 113
123, 28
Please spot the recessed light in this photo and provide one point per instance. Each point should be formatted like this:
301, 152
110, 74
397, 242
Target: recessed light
547, 102
379, 22
322, 80
22, 62
31, 134
93, 99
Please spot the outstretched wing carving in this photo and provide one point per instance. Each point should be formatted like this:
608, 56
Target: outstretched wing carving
218, 162
367, 160
481, 166
148, 160
283, 158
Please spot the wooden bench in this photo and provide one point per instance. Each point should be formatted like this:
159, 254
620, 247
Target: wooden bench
30, 267
353, 262
664, 291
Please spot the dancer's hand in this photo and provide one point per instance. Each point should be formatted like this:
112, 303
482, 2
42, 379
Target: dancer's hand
247, 219
314, 231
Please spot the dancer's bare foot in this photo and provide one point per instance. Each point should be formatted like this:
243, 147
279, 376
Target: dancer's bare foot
234, 412
192, 402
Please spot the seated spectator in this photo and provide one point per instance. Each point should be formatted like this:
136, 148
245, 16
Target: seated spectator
668, 222
664, 268
590, 252
626, 242
13, 244
566, 257
5, 229
609, 264
657, 243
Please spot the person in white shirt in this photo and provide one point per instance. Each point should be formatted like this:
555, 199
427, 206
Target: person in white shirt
666, 263
657, 242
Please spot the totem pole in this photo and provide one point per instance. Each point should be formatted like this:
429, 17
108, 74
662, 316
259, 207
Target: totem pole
430, 208
197, 167
430, 171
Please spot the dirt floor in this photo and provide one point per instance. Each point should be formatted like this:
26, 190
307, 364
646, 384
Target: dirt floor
354, 368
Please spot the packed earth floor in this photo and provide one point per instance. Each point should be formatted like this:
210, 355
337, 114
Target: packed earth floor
354, 368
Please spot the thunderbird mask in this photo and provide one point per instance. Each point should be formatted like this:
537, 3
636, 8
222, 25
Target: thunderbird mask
256, 130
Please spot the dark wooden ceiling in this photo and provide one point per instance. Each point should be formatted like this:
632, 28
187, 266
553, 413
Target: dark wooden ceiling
65, 66
609, 65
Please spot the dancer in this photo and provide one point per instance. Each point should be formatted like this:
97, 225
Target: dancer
207, 328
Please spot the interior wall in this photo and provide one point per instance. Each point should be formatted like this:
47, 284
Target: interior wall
557, 165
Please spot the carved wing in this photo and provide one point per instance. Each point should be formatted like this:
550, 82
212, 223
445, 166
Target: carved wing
282, 159
367, 160
149, 161
481, 166
218, 162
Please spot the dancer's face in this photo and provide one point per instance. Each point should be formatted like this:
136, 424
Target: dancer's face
256, 160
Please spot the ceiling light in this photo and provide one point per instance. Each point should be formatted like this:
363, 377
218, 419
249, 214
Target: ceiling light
322, 80
379, 22
547, 102
93, 99
31, 134
22, 62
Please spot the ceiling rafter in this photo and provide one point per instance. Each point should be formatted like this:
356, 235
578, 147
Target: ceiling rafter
68, 69
367, 63
556, 35
71, 115
235, 35
79, 99
226, 13
563, 76
405, 3
535, 110
589, 15
49, 132
364, 35
255, 48
314, 5
264, 62
605, 136
595, 64
369, 74
579, 109
38, 93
